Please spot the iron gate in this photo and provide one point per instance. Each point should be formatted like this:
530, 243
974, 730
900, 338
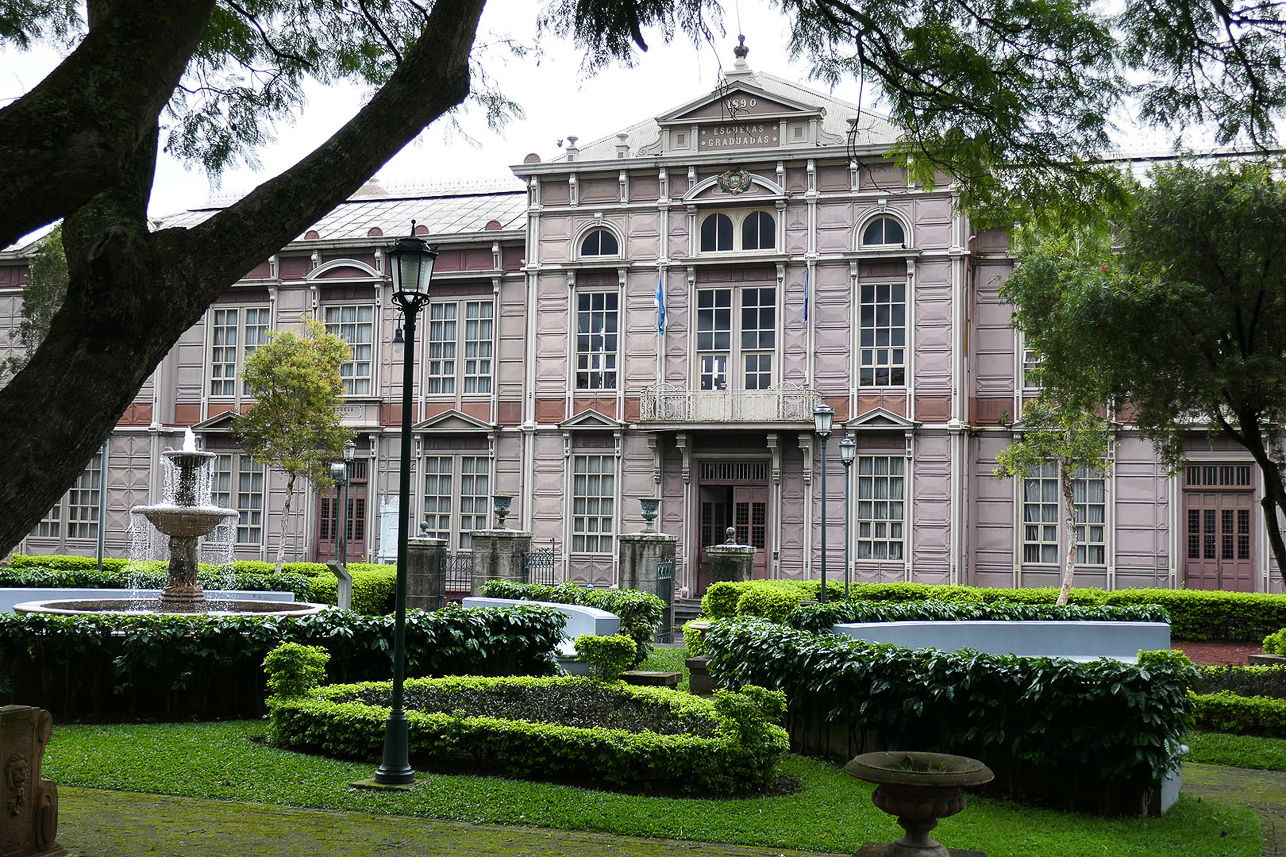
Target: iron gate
665, 591
455, 577
538, 565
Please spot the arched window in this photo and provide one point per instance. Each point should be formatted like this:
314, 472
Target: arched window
883, 232
599, 242
716, 233
757, 231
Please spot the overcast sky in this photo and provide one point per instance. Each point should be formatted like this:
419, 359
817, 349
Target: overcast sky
558, 100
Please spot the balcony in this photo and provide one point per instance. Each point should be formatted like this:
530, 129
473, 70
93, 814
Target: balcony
785, 402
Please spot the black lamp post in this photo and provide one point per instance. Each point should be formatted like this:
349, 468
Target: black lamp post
823, 417
847, 452
342, 473
411, 265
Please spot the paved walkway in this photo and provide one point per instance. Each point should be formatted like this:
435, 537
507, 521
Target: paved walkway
1262, 791
94, 823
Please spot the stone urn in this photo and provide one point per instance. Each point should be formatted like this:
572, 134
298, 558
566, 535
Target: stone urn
918, 788
501, 504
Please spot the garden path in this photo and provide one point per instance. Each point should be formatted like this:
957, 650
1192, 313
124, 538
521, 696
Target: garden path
97, 823
1262, 791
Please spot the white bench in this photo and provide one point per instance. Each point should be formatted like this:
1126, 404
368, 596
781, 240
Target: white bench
1077, 641
580, 620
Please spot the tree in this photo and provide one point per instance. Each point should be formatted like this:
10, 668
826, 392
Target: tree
1070, 439
1180, 319
1010, 98
294, 423
42, 295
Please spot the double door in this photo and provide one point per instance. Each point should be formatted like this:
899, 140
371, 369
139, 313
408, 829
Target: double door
744, 508
329, 518
1219, 550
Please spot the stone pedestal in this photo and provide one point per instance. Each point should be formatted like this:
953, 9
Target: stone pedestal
343, 583
28, 803
424, 573
730, 562
640, 554
497, 555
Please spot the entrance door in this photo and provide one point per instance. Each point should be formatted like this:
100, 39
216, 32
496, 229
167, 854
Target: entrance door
1219, 547
750, 518
328, 518
742, 507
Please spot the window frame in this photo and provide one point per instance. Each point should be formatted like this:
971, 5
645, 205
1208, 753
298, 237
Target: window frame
242, 465
873, 521
737, 218
1049, 473
58, 522
860, 351
585, 236
241, 349
460, 376
609, 355
862, 244
455, 514
735, 370
604, 537
351, 380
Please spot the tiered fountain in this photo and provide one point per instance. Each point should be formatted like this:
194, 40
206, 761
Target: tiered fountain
184, 517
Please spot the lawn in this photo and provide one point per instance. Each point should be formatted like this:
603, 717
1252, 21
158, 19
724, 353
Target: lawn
1237, 751
831, 812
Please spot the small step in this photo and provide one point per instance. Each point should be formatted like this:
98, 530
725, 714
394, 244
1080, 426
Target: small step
651, 678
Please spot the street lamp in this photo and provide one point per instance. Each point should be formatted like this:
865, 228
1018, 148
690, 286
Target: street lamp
823, 417
410, 262
847, 452
342, 473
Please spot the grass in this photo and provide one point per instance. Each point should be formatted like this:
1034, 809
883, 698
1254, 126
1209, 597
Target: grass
831, 812
670, 661
1237, 751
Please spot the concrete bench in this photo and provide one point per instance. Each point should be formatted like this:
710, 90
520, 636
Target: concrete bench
1077, 641
580, 620
19, 595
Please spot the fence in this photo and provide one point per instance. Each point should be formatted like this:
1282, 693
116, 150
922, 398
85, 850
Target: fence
665, 591
456, 577
538, 565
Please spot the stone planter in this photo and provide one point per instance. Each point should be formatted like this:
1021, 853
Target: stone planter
699, 680
918, 788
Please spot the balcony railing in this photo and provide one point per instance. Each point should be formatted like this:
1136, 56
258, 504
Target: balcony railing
666, 403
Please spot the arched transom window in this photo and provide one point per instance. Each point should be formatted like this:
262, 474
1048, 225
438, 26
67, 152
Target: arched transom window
599, 242
884, 231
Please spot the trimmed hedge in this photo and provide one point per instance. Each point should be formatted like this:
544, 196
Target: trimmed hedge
821, 617
1105, 725
113, 665
730, 745
1194, 614
640, 612
1225, 711
1244, 680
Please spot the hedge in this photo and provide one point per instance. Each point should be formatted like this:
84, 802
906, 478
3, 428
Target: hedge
640, 612
1115, 725
821, 617
1244, 680
114, 665
727, 745
1225, 711
1196, 615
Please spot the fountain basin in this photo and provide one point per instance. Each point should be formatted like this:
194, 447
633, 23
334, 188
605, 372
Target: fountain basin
213, 607
185, 522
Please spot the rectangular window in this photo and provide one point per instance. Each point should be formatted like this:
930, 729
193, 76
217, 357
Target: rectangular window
50, 526
446, 373
1031, 362
1089, 495
254, 334
440, 354
247, 498
880, 486
475, 496
438, 483
883, 335
748, 345
223, 352
596, 340
444, 494
593, 503
82, 501
478, 344
1040, 515
356, 326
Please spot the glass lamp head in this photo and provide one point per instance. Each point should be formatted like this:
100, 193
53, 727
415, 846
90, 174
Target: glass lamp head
823, 419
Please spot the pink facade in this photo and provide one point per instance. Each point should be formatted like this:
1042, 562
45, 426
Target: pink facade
797, 266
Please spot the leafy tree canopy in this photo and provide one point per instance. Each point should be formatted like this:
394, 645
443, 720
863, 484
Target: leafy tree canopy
1180, 318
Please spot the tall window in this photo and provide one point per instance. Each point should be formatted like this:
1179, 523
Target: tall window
880, 491
599, 242
752, 346
596, 340
757, 231
446, 373
455, 507
883, 232
237, 483
883, 335
235, 332
355, 325
716, 233
593, 503
1042, 516
78, 508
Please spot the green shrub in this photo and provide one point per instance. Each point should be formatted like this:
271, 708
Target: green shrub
293, 670
693, 639
640, 612
726, 746
1122, 722
820, 617
374, 588
1275, 643
721, 599
1241, 715
772, 604
1244, 680
66, 562
609, 656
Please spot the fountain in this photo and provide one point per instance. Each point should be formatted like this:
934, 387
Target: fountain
184, 518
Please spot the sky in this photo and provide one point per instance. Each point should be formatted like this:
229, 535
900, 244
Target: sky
557, 98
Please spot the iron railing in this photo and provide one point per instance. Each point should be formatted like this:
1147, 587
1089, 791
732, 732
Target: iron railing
538, 565
785, 402
665, 591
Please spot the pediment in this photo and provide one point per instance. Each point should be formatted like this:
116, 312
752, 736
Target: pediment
880, 419
591, 420
738, 102
343, 269
760, 188
453, 421
218, 423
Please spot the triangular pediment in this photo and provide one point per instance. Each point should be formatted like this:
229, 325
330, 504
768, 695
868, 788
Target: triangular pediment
739, 102
453, 421
591, 420
880, 419
217, 423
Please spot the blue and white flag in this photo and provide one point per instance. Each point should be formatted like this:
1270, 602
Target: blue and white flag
804, 321
660, 303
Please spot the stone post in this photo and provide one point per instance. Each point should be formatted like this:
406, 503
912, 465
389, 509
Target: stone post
497, 555
731, 561
29, 819
424, 573
640, 554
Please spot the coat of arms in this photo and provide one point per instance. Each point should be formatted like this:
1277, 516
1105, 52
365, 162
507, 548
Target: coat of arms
735, 181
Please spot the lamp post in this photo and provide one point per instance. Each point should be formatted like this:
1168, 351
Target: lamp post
847, 452
823, 417
411, 265
342, 473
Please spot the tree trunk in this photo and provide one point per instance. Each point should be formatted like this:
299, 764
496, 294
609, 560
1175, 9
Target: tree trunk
132, 293
285, 522
1270, 469
1065, 473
